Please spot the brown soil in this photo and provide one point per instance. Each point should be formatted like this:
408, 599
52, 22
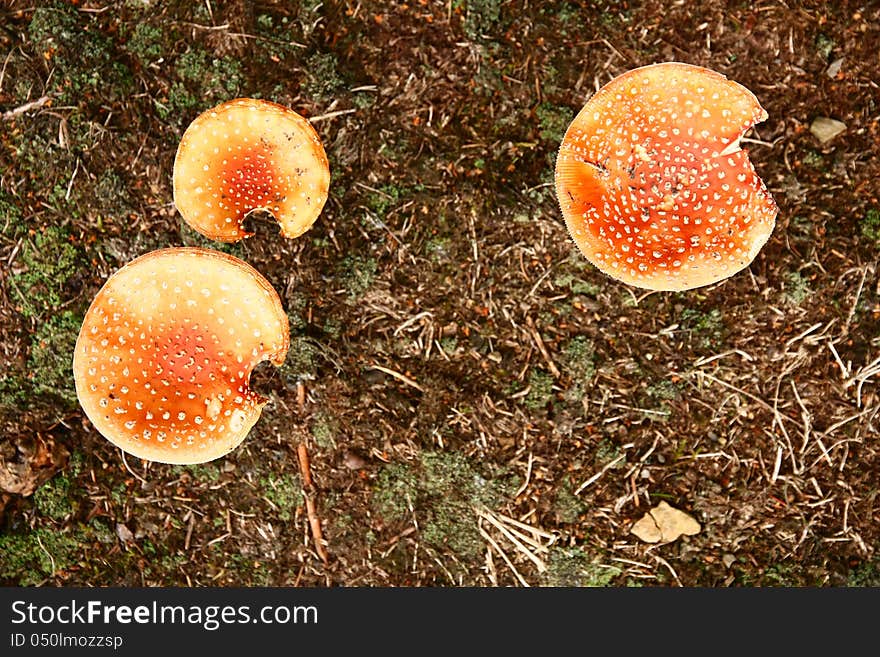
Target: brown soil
478, 405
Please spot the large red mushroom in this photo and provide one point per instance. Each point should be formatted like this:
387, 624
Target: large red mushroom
246, 155
653, 185
164, 356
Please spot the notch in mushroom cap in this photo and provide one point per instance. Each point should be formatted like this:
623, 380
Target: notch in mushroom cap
245, 155
653, 185
164, 356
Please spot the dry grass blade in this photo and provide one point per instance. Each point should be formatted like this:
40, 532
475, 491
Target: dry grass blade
527, 540
397, 375
494, 545
599, 474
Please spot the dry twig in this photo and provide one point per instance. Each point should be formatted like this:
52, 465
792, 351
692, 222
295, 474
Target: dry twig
311, 511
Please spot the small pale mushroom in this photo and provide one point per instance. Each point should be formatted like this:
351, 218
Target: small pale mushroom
246, 155
163, 360
653, 185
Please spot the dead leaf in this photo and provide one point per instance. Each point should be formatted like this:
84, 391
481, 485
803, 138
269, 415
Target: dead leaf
26, 461
664, 524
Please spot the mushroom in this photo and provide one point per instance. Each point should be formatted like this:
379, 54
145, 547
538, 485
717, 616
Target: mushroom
245, 155
163, 359
653, 185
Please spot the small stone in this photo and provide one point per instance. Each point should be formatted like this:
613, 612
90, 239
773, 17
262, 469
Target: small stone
825, 129
124, 533
353, 462
728, 559
834, 68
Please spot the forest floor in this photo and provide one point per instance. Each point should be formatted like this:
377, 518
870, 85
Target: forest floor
479, 405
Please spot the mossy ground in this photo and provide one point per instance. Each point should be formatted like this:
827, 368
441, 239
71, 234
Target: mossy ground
457, 367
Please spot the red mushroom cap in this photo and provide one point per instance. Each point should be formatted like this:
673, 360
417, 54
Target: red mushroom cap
653, 185
247, 155
164, 356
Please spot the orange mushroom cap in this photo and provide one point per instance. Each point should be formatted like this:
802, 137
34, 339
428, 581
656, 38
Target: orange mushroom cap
652, 183
246, 155
164, 356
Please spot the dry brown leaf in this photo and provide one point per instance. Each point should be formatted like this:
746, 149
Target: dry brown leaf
27, 461
664, 524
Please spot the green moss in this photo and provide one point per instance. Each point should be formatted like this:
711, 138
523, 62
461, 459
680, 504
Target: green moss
35, 147
540, 390
576, 285
442, 490
49, 259
11, 224
14, 392
76, 464
451, 525
323, 77
145, 43
208, 473
27, 559
166, 566
706, 327
284, 493
870, 226
814, 160
277, 38
51, 356
663, 390
101, 531
866, 574
824, 46
203, 81
795, 289
438, 249
567, 506
119, 495
356, 273
301, 361
297, 310
783, 574
386, 198
553, 121
606, 451
445, 473
323, 429
449, 344
480, 16
112, 195
333, 328
52, 499
579, 363
574, 567
84, 61
396, 490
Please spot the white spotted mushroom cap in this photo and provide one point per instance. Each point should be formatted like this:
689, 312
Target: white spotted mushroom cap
165, 353
652, 183
245, 155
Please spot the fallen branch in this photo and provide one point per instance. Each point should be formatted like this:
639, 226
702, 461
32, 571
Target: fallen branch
21, 109
311, 511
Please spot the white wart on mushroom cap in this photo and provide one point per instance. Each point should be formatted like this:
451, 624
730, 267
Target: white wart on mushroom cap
653, 185
164, 356
246, 155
